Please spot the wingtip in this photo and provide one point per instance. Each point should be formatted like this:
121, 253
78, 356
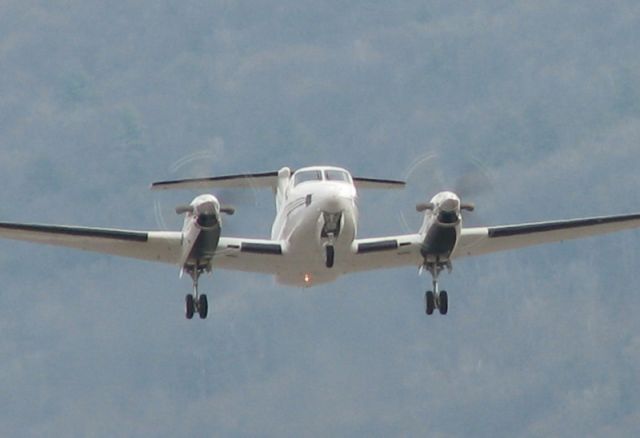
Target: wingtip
158, 185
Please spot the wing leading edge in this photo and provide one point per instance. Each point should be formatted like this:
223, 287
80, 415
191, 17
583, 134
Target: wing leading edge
485, 240
158, 246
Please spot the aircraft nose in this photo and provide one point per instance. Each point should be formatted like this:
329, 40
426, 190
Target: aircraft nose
335, 203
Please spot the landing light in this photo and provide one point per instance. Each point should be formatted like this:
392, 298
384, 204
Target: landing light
307, 278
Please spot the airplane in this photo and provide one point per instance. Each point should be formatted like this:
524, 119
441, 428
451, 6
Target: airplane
314, 234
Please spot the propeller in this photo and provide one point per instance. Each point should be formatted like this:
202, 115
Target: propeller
202, 163
424, 206
182, 209
433, 172
421, 207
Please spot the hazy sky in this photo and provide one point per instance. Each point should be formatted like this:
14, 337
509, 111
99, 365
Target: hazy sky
541, 97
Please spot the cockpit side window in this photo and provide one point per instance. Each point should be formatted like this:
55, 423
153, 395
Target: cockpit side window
336, 175
307, 175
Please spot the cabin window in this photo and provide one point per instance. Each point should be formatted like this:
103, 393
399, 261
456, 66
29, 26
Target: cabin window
307, 175
336, 175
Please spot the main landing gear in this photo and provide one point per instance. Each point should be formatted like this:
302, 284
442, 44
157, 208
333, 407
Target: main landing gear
436, 299
196, 303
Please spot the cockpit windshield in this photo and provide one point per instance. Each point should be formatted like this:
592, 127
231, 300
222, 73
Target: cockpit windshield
307, 175
336, 175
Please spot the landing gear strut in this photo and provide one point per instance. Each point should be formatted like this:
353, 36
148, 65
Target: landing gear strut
329, 233
436, 299
196, 303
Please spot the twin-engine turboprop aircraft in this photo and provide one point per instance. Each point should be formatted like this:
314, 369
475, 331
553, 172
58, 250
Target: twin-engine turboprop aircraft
313, 238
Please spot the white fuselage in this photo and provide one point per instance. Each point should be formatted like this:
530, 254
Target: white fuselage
311, 215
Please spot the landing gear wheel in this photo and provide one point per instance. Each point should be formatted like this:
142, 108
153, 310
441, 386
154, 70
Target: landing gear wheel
330, 256
189, 306
203, 306
443, 302
430, 302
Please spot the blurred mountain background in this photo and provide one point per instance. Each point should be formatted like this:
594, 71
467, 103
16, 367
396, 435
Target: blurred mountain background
97, 100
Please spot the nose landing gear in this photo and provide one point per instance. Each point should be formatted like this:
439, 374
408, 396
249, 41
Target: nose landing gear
329, 233
329, 255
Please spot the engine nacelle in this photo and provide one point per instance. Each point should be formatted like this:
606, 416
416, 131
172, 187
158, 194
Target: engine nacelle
206, 210
448, 210
441, 225
201, 231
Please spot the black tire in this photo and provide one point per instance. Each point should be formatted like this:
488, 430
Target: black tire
443, 302
203, 306
330, 256
430, 302
189, 306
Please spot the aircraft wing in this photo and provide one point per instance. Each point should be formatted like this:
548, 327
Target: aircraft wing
485, 240
266, 256
385, 252
404, 250
246, 180
249, 255
157, 246
375, 183
261, 180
